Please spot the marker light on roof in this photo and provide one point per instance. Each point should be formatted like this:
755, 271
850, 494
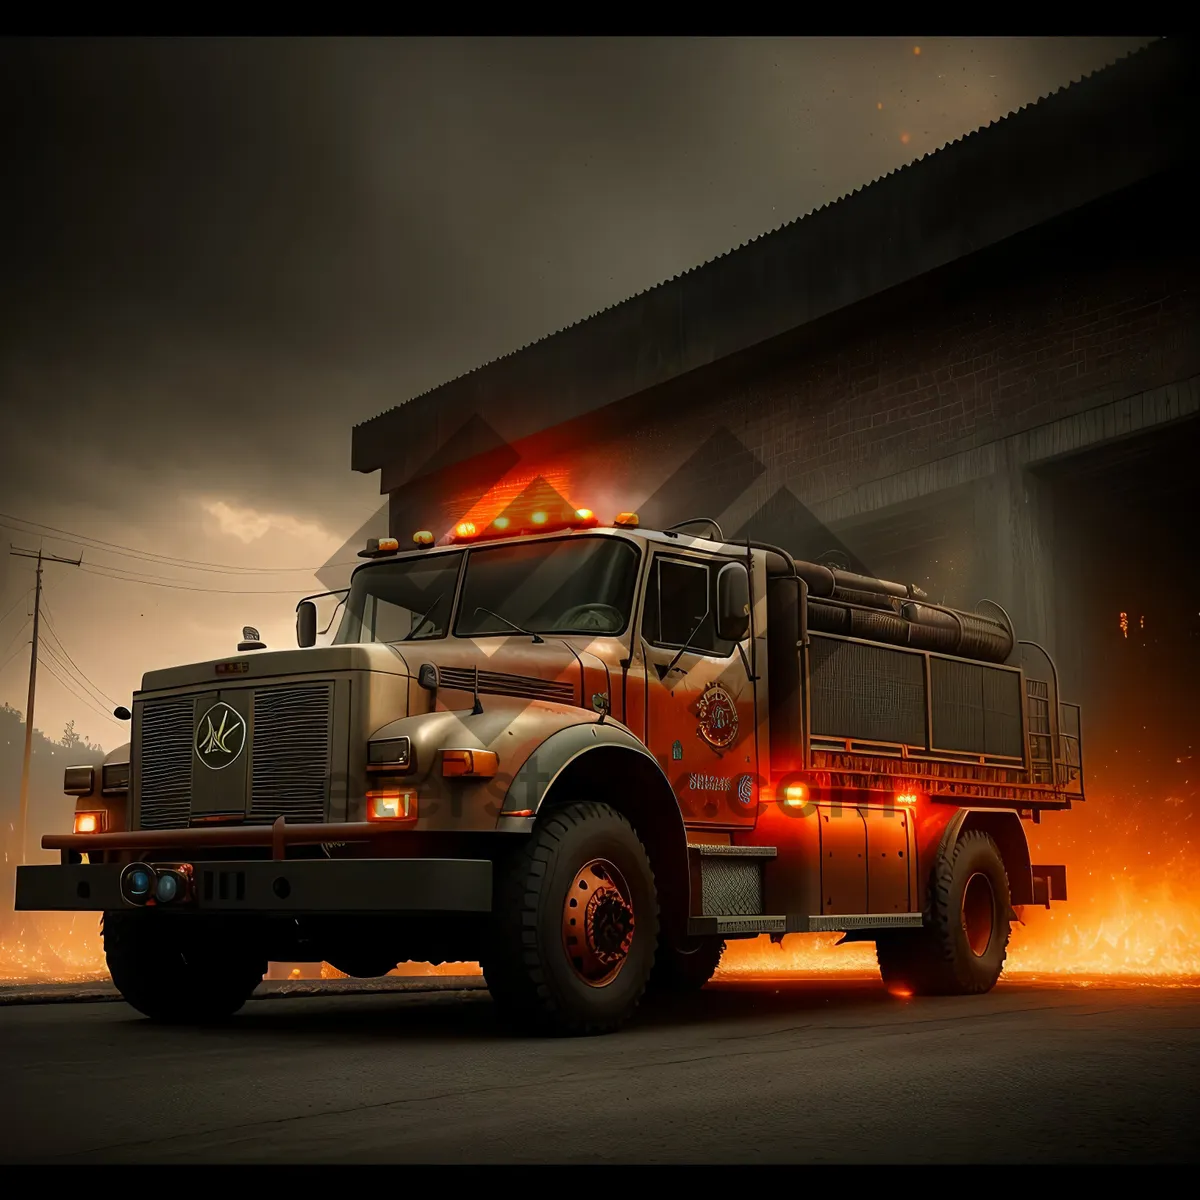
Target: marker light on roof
514, 525
423, 537
629, 519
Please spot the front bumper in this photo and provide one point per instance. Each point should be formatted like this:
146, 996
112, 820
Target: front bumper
293, 887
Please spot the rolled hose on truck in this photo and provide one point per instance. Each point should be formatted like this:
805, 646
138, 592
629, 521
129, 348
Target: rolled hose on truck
900, 615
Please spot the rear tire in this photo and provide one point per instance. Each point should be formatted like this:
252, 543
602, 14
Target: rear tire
962, 948
575, 924
687, 968
176, 974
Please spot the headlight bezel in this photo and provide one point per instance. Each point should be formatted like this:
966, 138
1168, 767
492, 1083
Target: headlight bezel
393, 754
114, 779
79, 781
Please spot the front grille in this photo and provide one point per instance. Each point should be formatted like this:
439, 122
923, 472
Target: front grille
290, 773
289, 759
495, 683
166, 775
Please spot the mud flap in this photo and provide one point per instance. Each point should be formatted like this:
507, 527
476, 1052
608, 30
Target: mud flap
1049, 884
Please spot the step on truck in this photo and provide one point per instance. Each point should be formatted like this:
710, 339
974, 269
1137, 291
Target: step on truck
585, 757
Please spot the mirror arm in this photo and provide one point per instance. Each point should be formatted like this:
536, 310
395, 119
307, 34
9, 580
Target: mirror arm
750, 675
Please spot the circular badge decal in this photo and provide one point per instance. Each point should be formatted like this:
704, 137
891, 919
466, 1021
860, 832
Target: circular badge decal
220, 736
718, 717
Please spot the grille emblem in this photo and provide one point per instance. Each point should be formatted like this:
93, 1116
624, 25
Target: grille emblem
220, 736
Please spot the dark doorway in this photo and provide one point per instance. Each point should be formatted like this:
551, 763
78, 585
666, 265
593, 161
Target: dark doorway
1127, 571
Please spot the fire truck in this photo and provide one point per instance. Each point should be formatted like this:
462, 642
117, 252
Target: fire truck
585, 757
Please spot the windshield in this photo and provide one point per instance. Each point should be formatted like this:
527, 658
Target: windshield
572, 585
400, 601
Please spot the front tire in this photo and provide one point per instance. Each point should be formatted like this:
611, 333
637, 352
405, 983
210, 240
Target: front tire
962, 948
575, 924
176, 974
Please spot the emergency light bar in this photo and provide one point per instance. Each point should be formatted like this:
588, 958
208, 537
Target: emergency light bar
510, 525
538, 521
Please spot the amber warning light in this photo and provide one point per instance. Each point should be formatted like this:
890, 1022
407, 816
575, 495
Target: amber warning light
482, 764
89, 822
795, 795
540, 520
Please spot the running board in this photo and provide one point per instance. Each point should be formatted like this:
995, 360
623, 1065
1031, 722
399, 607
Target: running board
717, 926
841, 924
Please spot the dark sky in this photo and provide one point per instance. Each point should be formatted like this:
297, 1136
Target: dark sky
220, 255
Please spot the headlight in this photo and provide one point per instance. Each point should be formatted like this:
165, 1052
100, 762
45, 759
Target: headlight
115, 777
391, 752
137, 883
79, 781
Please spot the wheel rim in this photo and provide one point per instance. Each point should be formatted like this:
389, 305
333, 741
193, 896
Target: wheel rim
978, 913
597, 922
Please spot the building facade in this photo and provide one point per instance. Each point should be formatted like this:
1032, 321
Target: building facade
942, 378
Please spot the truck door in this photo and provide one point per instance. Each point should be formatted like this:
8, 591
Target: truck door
700, 712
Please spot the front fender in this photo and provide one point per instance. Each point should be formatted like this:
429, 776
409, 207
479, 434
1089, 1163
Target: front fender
606, 764
515, 729
553, 756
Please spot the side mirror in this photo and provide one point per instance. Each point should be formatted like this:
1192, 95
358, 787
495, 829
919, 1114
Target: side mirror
733, 602
306, 624
122, 713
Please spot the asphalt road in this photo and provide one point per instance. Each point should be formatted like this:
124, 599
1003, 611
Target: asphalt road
772, 1071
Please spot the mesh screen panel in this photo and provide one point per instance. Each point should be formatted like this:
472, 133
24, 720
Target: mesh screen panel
868, 693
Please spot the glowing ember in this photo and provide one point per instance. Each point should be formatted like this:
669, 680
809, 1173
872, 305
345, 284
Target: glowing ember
50, 948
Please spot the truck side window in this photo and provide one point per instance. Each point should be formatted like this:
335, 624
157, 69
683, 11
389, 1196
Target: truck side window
680, 595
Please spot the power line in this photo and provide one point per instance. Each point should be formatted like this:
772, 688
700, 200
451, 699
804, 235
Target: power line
51, 667
20, 631
86, 700
183, 587
102, 695
13, 655
152, 556
79, 678
18, 600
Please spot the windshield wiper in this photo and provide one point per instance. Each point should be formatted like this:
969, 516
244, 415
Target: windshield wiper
510, 624
425, 617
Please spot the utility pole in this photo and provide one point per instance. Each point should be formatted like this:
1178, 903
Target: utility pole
33, 656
